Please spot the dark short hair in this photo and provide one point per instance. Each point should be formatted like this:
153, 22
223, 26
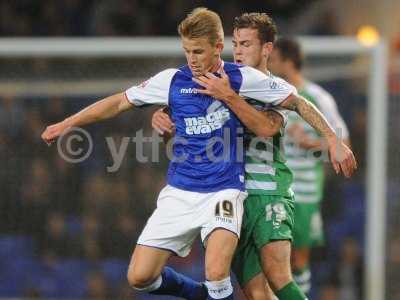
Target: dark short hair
290, 49
261, 21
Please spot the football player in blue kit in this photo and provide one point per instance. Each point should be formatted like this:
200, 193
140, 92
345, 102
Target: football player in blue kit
204, 193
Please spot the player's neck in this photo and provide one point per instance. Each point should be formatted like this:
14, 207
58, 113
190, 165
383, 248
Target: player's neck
263, 68
296, 79
216, 66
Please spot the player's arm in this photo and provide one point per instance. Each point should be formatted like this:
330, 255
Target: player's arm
162, 123
262, 124
313, 116
303, 140
101, 110
274, 121
342, 157
153, 91
220, 89
327, 105
310, 114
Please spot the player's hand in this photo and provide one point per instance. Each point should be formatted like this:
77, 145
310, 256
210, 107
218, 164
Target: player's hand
217, 87
52, 132
161, 122
342, 158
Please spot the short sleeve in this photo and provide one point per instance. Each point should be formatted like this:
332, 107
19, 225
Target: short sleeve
152, 91
265, 88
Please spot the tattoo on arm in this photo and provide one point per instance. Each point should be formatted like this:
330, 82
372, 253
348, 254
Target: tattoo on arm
310, 114
293, 105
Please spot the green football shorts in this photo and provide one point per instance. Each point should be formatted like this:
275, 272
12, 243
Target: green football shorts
308, 229
266, 218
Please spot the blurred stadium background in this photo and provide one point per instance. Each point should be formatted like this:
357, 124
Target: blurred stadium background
68, 230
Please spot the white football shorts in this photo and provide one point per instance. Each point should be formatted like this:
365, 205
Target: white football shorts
181, 215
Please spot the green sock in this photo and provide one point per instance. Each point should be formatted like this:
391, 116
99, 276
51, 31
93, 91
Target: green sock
291, 291
303, 279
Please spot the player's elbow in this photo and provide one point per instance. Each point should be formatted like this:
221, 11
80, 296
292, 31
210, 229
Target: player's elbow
269, 125
123, 103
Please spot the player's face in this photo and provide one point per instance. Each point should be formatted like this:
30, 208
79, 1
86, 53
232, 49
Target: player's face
247, 48
277, 64
201, 55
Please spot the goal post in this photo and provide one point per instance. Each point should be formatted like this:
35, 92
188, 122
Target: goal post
377, 98
376, 177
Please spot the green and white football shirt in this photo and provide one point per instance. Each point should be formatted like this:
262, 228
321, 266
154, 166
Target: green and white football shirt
307, 164
266, 171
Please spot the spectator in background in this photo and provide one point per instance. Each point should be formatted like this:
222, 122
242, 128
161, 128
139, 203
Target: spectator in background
40, 202
97, 287
11, 115
125, 232
124, 17
55, 108
27, 140
96, 194
66, 186
87, 243
120, 17
55, 240
35, 198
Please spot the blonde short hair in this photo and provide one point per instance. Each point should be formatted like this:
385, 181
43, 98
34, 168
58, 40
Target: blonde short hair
200, 23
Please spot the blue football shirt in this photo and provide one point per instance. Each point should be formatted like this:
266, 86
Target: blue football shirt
207, 151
